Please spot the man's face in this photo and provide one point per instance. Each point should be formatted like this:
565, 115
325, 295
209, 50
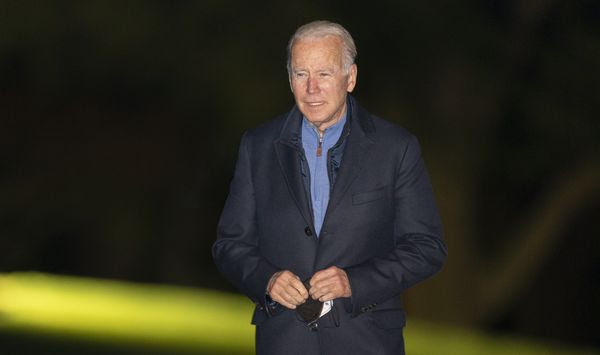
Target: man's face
318, 80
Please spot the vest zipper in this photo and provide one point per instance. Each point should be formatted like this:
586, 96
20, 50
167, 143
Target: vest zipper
320, 146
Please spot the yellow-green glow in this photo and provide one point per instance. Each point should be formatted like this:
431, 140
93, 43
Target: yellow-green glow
192, 319
111, 310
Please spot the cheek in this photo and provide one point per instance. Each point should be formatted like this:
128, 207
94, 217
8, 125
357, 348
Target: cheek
295, 91
297, 88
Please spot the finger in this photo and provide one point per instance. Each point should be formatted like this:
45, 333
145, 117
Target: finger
323, 285
339, 280
338, 285
284, 303
319, 292
323, 274
320, 275
294, 294
281, 295
299, 287
286, 299
328, 296
290, 280
291, 299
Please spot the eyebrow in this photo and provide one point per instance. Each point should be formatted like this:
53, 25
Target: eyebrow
326, 70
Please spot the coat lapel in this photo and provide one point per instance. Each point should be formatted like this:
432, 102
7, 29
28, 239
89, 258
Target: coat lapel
357, 149
289, 154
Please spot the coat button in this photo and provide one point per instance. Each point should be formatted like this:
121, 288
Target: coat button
307, 231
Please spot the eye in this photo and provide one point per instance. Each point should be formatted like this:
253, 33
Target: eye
300, 75
324, 74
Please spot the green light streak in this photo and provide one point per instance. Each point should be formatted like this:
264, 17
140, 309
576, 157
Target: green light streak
187, 319
118, 311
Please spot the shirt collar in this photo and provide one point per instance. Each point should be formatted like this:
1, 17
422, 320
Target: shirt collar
336, 129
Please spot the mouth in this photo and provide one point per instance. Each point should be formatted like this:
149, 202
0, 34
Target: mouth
315, 103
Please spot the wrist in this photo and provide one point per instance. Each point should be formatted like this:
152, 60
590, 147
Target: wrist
271, 282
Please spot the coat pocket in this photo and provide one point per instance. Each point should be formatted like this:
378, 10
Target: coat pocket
389, 318
369, 196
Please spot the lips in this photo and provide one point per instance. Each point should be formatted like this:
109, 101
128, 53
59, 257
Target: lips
315, 104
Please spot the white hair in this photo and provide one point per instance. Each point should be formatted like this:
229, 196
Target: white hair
319, 29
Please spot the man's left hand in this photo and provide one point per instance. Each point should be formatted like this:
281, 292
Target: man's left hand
329, 284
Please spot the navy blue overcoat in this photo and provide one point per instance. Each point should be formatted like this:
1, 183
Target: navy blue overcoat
381, 226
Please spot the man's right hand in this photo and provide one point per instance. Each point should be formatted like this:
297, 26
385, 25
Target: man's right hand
286, 289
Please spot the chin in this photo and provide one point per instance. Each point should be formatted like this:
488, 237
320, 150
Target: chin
314, 117
316, 121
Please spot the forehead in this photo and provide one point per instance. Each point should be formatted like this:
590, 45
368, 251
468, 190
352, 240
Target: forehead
325, 50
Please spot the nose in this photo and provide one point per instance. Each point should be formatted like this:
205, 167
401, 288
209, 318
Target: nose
312, 86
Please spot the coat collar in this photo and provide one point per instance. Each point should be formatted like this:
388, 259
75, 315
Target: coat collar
288, 147
359, 117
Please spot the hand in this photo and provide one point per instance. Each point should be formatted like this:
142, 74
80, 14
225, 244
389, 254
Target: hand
329, 284
286, 289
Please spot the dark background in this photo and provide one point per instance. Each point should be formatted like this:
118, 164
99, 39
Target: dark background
119, 125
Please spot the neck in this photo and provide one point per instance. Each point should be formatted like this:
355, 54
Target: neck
324, 125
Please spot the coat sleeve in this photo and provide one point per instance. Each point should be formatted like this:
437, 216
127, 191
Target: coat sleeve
236, 251
419, 250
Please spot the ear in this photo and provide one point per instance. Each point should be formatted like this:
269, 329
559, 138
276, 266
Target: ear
353, 72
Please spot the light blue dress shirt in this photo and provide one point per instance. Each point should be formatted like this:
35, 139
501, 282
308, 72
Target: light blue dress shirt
317, 164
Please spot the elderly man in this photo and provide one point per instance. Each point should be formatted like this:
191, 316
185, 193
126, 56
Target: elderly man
330, 214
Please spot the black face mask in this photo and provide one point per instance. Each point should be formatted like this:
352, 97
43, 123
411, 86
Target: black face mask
311, 309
